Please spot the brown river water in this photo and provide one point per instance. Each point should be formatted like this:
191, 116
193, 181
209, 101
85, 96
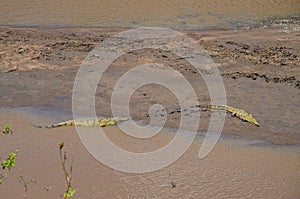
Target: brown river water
180, 14
236, 168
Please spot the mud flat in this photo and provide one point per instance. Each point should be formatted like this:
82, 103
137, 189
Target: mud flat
247, 168
260, 69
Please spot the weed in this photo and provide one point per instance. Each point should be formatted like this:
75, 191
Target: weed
26, 182
69, 193
7, 129
10, 161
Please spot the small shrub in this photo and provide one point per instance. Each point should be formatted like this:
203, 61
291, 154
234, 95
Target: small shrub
9, 163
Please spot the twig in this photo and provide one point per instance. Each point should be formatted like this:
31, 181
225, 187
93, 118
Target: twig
22, 180
68, 175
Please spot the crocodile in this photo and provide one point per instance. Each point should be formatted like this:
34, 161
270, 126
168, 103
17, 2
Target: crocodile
239, 113
102, 122
87, 122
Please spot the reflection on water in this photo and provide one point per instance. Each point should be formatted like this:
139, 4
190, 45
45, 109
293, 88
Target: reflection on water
183, 14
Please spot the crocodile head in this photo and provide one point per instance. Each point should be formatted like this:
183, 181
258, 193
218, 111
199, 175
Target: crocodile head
249, 118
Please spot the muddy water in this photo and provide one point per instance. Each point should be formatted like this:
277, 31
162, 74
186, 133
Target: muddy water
234, 169
183, 14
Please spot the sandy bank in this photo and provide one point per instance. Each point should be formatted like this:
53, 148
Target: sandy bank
260, 69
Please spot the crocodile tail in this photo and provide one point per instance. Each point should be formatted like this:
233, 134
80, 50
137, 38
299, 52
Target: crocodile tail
53, 126
37, 126
205, 107
121, 119
223, 107
48, 126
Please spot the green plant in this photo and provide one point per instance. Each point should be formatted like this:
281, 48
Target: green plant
10, 161
7, 129
69, 193
8, 164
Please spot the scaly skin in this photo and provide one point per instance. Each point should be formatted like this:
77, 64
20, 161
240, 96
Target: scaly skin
101, 122
239, 113
86, 122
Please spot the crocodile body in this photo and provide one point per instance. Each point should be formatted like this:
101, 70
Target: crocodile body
239, 113
101, 122
86, 122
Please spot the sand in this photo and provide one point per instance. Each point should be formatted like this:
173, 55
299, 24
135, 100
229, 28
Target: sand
259, 67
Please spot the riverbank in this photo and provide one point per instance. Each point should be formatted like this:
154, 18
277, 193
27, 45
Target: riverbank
259, 67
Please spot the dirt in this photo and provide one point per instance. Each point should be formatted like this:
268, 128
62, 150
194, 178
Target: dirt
260, 70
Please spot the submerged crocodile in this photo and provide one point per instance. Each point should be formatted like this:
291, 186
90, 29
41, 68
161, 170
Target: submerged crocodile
239, 113
87, 122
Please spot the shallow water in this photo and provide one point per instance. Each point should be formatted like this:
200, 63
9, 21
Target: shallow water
181, 14
234, 169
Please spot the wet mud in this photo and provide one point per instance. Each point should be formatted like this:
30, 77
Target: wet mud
260, 70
